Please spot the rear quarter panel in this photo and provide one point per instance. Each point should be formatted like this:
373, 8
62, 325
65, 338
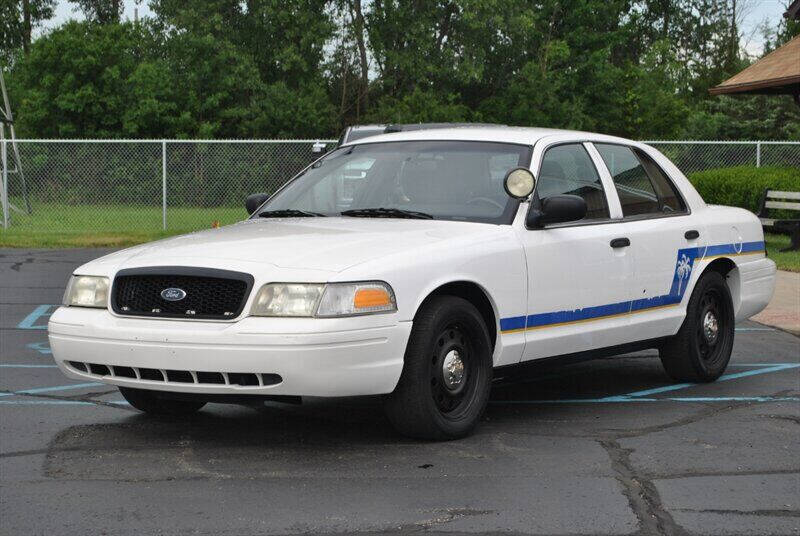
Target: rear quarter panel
737, 235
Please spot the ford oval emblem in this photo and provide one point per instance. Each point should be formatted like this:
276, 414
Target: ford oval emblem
173, 294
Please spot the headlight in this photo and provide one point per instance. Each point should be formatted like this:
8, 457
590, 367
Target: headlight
86, 291
287, 299
331, 300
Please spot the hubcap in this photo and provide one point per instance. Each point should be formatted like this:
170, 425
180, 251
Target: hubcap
451, 375
714, 331
710, 327
452, 370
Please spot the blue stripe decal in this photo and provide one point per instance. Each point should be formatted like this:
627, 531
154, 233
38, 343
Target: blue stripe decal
683, 270
576, 315
512, 323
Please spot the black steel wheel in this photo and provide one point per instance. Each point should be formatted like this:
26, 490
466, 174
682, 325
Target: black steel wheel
446, 378
701, 349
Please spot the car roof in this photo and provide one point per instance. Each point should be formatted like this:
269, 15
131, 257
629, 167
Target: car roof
495, 133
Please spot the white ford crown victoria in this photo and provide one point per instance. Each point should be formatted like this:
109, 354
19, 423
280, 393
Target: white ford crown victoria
412, 264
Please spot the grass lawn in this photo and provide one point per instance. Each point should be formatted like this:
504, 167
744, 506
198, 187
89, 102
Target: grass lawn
61, 226
789, 260
52, 226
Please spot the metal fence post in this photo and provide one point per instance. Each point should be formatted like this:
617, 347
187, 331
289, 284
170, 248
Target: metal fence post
164, 184
758, 154
4, 158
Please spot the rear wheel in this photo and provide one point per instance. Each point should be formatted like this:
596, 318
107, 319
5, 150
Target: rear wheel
700, 351
447, 372
150, 402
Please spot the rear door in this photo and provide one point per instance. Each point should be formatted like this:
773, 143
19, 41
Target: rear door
665, 238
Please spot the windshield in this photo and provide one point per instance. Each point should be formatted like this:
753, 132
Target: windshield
449, 180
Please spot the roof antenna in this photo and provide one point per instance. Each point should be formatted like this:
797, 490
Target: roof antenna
7, 121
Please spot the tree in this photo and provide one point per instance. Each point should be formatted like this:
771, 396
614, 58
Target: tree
100, 11
306, 68
74, 82
18, 18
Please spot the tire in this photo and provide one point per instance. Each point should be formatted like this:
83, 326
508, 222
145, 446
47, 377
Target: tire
430, 402
149, 402
701, 349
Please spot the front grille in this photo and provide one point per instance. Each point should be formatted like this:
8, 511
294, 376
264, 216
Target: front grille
207, 293
239, 379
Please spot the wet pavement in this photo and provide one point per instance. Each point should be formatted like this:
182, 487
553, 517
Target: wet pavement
609, 446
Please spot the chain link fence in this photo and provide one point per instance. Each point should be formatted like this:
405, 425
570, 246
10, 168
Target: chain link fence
692, 156
147, 186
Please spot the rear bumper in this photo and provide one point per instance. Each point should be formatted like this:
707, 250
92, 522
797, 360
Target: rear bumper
341, 357
756, 287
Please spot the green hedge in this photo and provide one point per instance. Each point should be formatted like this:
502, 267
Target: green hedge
743, 186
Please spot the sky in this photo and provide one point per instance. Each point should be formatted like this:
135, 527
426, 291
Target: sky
755, 13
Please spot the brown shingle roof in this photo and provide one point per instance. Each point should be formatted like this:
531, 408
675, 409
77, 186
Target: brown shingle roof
793, 11
777, 72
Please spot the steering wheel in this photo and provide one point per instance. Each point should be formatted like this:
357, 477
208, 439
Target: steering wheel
485, 200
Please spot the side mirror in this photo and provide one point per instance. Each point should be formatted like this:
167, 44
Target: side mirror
254, 201
558, 209
519, 183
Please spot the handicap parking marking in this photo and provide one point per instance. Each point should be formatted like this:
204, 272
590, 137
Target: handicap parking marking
29, 322
41, 347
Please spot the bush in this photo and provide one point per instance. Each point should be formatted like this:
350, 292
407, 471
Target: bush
743, 186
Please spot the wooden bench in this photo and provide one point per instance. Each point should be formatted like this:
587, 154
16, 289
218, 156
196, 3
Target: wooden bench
779, 200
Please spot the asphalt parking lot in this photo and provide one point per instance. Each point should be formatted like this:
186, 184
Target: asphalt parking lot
608, 446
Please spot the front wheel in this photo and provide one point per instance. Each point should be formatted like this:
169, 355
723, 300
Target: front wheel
150, 402
701, 349
446, 378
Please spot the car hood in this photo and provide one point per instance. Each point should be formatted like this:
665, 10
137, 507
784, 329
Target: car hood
329, 244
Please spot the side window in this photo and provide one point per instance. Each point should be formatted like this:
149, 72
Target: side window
667, 194
640, 183
568, 169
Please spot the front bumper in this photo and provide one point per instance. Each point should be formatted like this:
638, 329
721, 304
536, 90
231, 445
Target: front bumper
313, 357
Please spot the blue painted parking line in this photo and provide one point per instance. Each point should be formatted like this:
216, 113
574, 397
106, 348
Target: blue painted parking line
45, 403
767, 368
736, 399
644, 395
755, 329
624, 399
29, 322
11, 365
51, 389
58, 403
657, 390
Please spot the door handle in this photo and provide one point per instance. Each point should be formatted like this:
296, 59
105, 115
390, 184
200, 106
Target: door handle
691, 235
620, 243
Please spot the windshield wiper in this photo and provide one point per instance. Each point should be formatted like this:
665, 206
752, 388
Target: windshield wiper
288, 213
386, 213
